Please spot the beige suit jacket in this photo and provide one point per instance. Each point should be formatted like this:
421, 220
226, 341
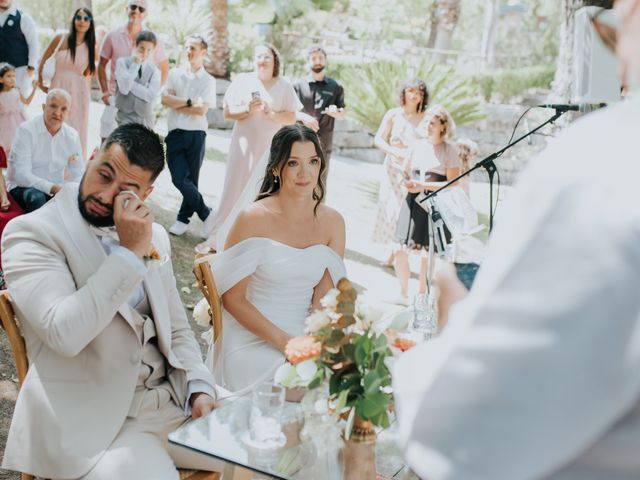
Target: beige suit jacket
84, 355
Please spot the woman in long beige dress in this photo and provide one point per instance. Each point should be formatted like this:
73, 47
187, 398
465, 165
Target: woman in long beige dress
260, 102
75, 64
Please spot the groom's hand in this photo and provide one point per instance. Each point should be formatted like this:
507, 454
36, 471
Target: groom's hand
201, 404
133, 222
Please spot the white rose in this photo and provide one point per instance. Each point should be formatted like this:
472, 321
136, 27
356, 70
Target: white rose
370, 317
306, 370
202, 313
316, 321
330, 300
284, 374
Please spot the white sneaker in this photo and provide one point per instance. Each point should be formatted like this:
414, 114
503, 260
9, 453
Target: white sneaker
207, 225
178, 228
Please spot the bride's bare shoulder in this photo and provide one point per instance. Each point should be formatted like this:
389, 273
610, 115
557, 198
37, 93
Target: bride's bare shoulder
251, 222
333, 227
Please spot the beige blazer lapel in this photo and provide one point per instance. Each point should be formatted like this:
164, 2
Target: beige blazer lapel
85, 241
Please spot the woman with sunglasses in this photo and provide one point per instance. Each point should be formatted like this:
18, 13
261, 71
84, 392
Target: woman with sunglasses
75, 64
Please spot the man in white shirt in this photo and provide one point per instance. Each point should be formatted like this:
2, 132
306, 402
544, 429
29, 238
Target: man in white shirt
18, 43
41, 150
114, 365
536, 373
190, 91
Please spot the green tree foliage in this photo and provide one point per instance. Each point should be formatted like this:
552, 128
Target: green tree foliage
372, 89
179, 21
504, 84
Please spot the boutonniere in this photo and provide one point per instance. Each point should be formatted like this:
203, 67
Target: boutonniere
73, 158
152, 254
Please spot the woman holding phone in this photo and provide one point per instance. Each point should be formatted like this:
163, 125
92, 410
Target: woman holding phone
260, 102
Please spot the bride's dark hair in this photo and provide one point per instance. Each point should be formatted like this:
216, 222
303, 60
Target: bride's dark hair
280, 151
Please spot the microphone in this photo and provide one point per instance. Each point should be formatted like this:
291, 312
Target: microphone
570, 107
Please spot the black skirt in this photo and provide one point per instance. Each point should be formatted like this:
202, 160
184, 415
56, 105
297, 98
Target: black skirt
412, 229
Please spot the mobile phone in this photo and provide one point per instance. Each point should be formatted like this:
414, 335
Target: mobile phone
255, 95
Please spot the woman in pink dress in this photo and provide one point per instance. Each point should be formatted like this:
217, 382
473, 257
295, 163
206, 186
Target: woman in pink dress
260, 102
75, 64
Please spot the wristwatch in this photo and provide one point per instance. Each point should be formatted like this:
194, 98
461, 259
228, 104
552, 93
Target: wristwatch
189, 102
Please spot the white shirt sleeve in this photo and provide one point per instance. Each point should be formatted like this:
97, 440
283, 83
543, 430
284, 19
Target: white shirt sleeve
75, 164
20, 170
150, 92
28, 27
169, 83
125, 77
541, 358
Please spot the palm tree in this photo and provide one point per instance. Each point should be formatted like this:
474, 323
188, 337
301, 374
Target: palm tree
218, 64
447, 14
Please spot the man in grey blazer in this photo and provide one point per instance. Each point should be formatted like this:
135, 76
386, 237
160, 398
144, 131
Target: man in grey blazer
114, 365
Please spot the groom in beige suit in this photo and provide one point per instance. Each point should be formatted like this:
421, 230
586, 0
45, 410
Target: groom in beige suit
114, 365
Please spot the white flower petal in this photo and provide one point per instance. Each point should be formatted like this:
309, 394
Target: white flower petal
316, 321
201, 313
306, 370
283, 373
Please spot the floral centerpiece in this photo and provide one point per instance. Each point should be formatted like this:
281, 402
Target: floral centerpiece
343, 345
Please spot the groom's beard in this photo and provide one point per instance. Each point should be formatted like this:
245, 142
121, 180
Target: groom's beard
95, 220
317, 68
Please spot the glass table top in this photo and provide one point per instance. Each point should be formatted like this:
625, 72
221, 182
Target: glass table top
313, 449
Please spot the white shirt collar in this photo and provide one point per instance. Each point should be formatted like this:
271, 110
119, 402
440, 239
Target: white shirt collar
12, 10
42, 128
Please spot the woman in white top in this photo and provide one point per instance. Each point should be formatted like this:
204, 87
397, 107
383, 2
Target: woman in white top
260, 102
428, 169
282, 255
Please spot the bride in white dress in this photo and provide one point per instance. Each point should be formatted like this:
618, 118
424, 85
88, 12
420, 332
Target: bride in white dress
283, 253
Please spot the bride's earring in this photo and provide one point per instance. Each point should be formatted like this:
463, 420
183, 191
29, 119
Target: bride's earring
275, 179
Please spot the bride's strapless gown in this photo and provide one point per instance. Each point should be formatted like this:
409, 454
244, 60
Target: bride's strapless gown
281, 288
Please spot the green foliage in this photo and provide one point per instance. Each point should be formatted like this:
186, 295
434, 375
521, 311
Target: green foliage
352, 355
372, 90
55, 14
504, 84
179, 22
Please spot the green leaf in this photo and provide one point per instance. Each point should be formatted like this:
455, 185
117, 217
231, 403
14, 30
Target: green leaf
372, 382
342, 400
371, 405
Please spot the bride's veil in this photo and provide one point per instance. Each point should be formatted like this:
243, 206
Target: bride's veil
247, 197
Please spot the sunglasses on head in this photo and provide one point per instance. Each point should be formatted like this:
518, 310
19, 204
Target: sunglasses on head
86, 18
133, 8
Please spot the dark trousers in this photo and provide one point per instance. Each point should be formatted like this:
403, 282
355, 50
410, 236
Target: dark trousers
185, 152
30, 198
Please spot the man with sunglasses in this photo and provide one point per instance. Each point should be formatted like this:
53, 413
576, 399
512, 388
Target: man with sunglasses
119, 43
536, 373
18, 43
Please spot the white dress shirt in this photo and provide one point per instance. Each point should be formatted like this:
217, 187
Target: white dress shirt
200, 87
28, 27
536, 374
38, 159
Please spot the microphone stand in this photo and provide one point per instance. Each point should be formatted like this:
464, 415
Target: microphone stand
489, 165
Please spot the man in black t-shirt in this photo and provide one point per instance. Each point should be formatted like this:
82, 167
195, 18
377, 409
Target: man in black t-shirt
322, 99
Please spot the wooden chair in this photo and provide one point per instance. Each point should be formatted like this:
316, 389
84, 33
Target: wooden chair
10, 325
207, 285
